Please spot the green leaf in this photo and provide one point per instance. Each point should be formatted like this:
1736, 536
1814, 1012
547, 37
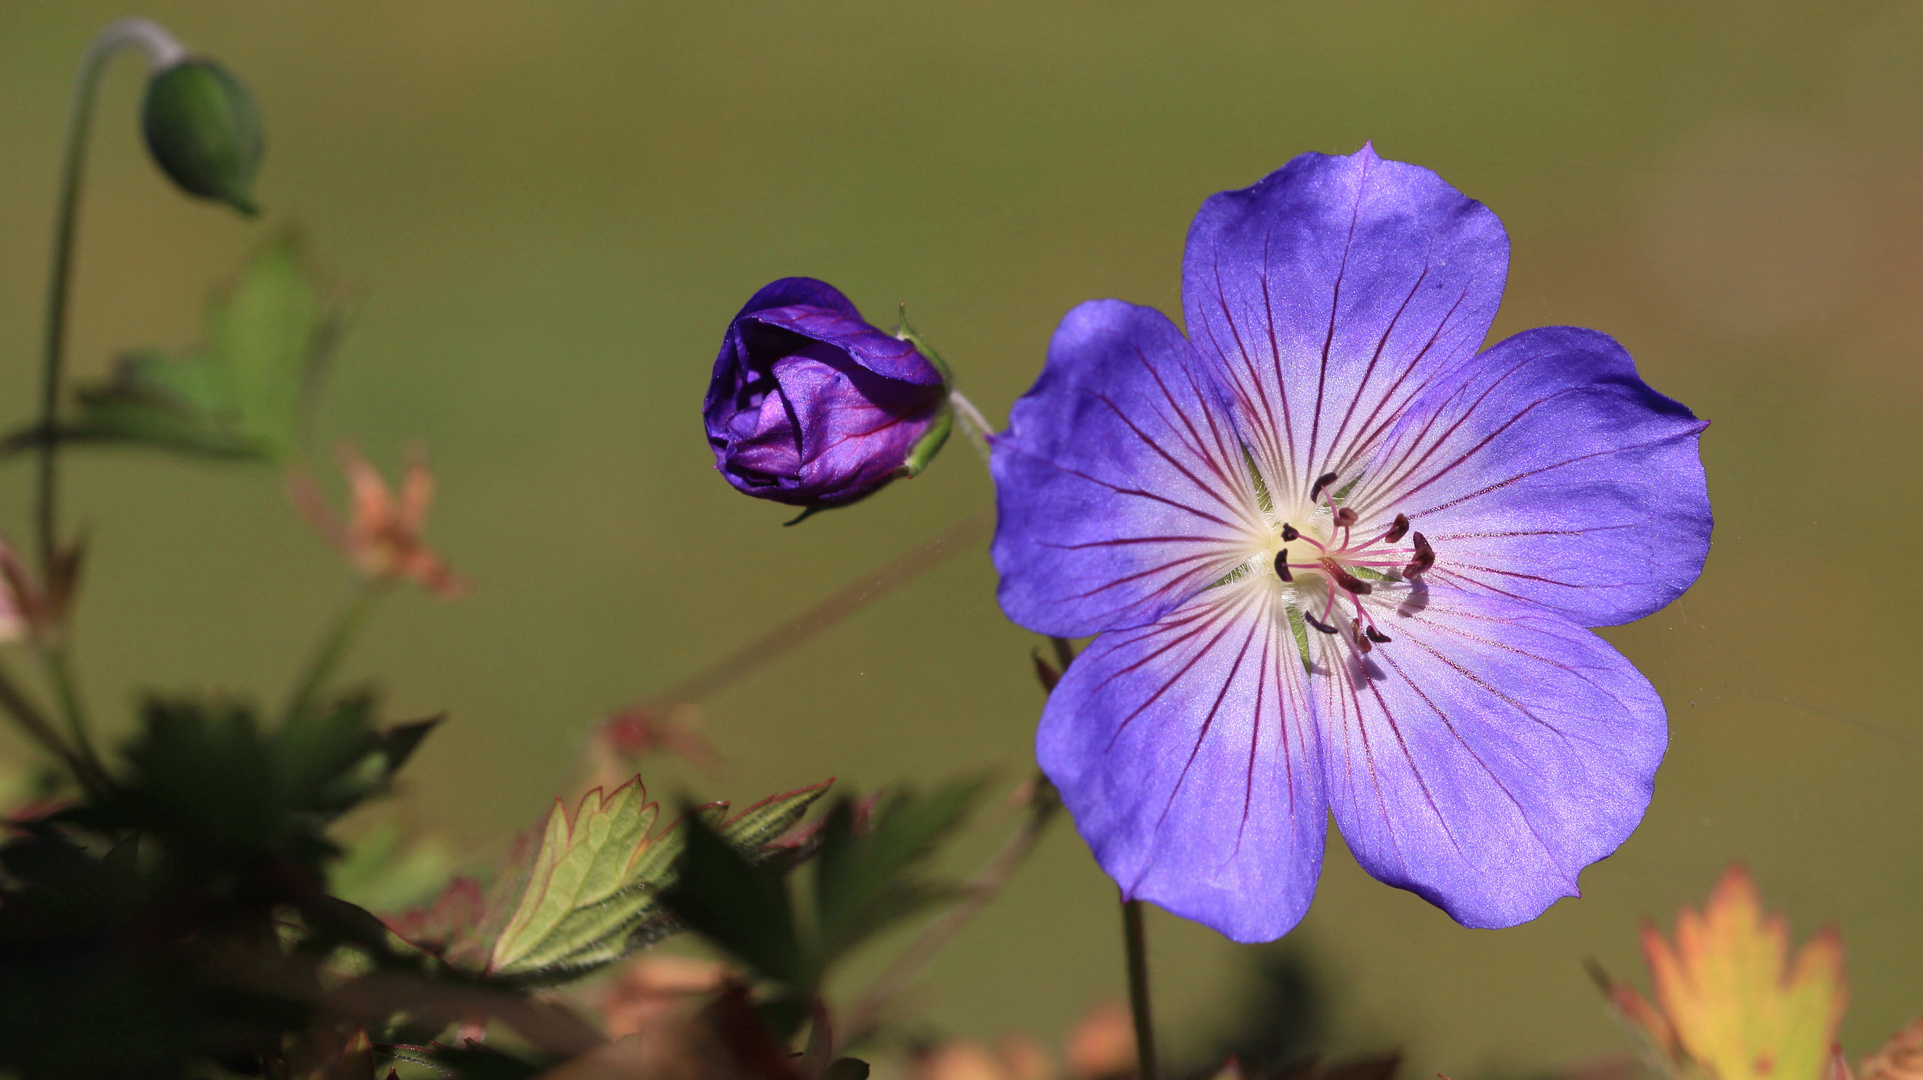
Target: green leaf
764, 824
582, 889
209, 779
864, 882
246, 392
585, 890
739, 906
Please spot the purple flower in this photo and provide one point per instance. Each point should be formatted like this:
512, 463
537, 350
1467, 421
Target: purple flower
1342, 561
811, 406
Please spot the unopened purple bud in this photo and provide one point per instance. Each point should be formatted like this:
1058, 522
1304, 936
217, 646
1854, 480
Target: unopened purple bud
811, 406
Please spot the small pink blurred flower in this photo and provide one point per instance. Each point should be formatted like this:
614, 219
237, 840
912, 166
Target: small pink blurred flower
383, 534
29, 607
639, 731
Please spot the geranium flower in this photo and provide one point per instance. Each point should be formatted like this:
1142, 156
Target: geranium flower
1341, 561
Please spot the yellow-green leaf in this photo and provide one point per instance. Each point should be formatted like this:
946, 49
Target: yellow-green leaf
594, 880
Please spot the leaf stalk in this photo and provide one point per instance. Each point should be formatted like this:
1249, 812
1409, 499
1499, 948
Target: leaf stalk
332, 647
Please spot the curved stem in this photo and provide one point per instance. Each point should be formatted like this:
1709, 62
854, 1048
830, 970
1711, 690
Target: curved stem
161, 51
1136, 941
332, 648
836, 607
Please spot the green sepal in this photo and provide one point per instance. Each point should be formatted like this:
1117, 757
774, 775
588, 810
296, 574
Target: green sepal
905, 332
930, 443
204, 130
1262, 497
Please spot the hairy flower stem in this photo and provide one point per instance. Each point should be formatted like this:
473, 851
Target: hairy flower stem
1136, 942
864, 1016
903, 568
973, 424
161, 50
332, 648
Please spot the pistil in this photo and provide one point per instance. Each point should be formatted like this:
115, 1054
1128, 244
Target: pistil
1337, 559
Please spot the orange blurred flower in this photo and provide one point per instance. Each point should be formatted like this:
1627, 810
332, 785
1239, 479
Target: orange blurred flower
1101, 1046
383, 533
658, 989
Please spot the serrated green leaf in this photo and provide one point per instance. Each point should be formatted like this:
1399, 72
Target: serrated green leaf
588, 890
244, 393
768, 820
207, 777
579, 876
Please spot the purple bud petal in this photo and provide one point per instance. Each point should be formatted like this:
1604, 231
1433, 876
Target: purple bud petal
811, 406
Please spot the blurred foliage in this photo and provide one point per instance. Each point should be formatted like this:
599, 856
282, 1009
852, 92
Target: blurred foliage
1734, 1003
247, 391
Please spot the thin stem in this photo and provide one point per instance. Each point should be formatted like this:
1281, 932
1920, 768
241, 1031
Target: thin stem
864, 1015
30, 719
973, 424
332, 648
838, 606
1136, 942
161, 51
58, 664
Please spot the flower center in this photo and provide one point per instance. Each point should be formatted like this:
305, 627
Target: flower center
1333, 565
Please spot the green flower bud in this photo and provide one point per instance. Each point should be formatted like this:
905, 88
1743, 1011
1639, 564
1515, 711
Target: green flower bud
204, 131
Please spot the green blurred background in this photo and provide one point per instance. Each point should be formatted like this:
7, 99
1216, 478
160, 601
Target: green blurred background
547, 212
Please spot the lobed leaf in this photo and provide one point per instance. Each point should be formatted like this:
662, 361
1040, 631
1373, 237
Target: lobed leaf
244, 393
584, 890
